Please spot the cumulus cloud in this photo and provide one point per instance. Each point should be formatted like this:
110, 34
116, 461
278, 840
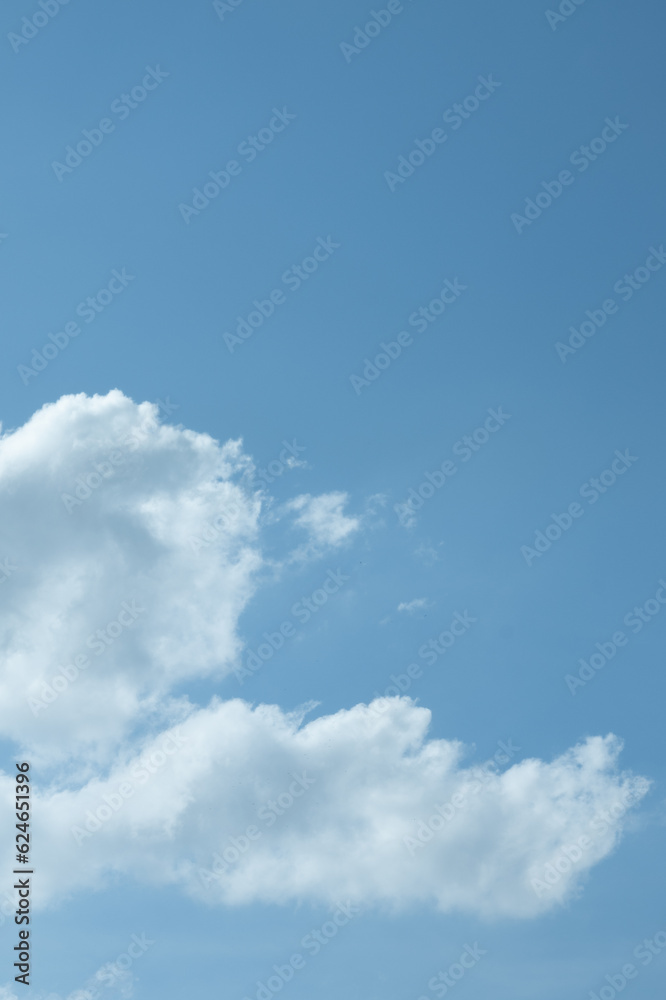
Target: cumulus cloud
242, 804
133, 548
137, 545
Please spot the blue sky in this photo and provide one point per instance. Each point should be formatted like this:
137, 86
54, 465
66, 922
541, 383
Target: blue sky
339, 122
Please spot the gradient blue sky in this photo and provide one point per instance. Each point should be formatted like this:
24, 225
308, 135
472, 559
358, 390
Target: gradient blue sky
162, 338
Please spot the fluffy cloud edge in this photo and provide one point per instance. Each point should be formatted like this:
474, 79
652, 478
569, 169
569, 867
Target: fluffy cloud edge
136, 547
240, 804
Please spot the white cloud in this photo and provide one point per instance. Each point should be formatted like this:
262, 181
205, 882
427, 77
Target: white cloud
323, 519
173, 531
418, 604
131, 534
112, 521
370, 782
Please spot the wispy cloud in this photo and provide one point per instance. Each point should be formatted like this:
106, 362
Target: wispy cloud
418, 604
324, 520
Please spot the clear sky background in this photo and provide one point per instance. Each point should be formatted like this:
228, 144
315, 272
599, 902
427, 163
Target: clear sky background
162, 338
